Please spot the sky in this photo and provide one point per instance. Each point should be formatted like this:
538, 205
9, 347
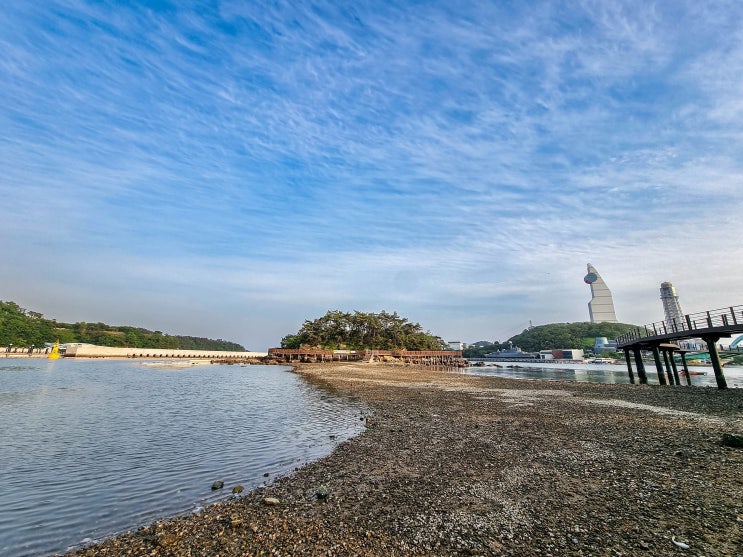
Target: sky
230, 169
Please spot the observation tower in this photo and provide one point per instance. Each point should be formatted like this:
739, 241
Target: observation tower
601, 306
671, 306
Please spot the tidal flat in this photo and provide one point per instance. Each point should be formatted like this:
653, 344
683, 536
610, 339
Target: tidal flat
454, 464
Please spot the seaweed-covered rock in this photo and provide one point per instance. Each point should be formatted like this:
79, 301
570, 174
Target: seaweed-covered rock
732, 440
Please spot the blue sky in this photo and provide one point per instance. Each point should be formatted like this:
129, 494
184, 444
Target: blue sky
230, 169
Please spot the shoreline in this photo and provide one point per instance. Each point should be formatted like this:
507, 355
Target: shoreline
454, 464
143, 360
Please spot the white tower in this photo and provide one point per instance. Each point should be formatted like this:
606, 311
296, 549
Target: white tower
671, 305
601, 306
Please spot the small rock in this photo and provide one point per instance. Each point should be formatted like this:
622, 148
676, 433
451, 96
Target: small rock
217, 485
166, 540
271, 501
237, 489
732, 440
322, 492
265, 475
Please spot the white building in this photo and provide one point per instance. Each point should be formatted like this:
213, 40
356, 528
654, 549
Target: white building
601, 306
603, 344
671, 306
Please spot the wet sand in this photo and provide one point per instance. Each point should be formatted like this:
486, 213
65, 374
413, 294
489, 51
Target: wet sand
452, 464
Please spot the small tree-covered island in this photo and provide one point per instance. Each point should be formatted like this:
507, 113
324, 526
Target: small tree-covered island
338, 330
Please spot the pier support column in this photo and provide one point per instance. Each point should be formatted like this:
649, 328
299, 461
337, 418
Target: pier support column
675, 369
629, 366
641, 375
686, 368
666, 361
714, 356
658, 365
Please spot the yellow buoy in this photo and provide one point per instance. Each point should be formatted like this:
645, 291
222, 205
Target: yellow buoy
54, 354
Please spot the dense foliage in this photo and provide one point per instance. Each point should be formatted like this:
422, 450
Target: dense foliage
24, 328
359, 330
566, 335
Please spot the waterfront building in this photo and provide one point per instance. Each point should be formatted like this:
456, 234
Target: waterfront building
601, 306
516, 354
562, 354
603, 344
513, 352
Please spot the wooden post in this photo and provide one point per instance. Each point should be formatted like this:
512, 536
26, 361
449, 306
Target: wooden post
658, 365
675, 369
668, 366
640, 367
629, 366
716, 365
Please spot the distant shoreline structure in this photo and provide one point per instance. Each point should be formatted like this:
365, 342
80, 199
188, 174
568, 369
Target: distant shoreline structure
91, 351
535, 361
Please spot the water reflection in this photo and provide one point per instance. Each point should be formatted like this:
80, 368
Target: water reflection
89, 448
599, 373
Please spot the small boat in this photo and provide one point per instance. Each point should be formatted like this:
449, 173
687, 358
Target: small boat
54, 354
693, 373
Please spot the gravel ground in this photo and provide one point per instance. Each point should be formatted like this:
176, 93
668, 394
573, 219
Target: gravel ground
452, 464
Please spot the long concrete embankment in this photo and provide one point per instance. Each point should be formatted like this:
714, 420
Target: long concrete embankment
93, 351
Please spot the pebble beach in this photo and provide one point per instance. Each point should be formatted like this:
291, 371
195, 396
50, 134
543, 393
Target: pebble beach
454, 464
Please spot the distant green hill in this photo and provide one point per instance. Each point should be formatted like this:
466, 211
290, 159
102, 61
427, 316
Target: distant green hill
24, 328
556, 335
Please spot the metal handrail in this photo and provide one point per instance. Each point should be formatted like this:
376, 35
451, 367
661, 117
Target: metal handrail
724, 317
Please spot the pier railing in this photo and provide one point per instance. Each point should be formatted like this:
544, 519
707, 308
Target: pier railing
714, 319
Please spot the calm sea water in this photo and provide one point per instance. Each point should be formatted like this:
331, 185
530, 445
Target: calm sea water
91, 448
600, 373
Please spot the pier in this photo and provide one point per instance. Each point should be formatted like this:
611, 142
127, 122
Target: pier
451, 358
659, 338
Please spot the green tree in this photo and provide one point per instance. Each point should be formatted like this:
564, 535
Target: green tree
359, 330
25, 328
567, 335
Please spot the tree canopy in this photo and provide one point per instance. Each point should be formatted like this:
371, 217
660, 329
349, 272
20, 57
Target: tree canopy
358, 331
24, 328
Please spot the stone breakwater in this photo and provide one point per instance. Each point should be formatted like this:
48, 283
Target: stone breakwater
452, 464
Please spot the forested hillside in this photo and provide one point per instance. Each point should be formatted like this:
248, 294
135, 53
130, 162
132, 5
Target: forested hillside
24, 328
557, 335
